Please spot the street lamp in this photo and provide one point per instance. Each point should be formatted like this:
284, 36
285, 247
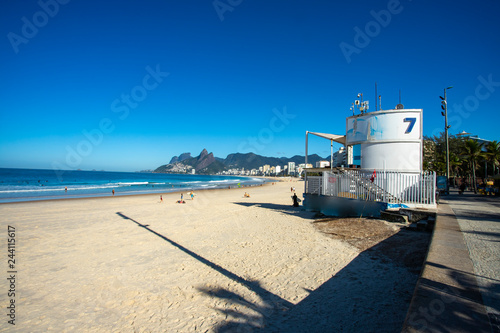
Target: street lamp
444, 106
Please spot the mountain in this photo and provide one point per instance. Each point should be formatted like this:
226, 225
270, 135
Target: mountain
180, 158
206, 163
203, 161
248, 161
254, 161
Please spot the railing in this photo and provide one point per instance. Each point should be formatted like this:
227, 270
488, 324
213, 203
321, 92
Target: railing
385, 186
313, 185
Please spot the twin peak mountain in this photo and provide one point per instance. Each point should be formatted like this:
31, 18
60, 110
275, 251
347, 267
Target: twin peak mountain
207, 163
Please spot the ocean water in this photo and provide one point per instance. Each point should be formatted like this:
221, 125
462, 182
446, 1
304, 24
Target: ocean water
32, 184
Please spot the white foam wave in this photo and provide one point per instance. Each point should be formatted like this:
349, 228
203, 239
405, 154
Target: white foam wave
130, 183
86, 188
58, 188
221, 181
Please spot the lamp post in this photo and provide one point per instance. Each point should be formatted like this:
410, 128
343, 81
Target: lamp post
444, 106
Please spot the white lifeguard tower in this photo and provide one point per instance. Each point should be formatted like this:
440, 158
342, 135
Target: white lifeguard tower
384, 167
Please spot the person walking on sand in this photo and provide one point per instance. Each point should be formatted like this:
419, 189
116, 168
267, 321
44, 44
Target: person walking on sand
192, 195
182, 196
295, 200
161, 198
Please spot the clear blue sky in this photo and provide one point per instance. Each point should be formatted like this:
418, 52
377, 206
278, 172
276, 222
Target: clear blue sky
152, 79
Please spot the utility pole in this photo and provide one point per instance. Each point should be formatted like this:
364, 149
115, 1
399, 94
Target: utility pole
444, 106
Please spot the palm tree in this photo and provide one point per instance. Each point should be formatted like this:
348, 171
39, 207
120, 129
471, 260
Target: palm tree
455, 162
493, 154
473, 152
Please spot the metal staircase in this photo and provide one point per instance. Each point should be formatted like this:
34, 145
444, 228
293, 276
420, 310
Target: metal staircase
372, 190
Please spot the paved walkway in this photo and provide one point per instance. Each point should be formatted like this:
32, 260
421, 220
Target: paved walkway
459, 288
479, 219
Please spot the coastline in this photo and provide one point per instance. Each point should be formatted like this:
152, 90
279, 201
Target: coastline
120, 190
121, 195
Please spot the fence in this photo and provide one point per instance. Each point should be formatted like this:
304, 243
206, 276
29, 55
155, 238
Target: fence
384, 186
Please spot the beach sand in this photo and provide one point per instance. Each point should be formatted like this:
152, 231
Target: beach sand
220, 262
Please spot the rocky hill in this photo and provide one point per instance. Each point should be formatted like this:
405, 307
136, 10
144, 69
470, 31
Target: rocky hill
180, 158
254, 161
206, 163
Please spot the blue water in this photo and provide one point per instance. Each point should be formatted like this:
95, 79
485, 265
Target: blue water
32, 184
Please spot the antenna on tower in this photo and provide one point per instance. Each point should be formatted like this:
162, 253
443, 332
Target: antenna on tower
400, 106
360, 104
376, 109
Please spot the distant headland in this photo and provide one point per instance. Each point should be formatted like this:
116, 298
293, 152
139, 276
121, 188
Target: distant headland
236, 163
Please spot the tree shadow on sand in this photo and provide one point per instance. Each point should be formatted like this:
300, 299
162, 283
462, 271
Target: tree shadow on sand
372, 293
270, 301
251, 319
350, 301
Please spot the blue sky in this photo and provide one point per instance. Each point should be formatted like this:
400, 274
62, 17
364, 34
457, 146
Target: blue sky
126, 85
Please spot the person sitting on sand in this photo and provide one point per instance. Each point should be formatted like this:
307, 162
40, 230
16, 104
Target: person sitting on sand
246, 195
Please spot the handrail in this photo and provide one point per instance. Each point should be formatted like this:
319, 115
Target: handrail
385, 186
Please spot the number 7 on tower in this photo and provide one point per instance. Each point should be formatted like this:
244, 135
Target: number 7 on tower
411, 122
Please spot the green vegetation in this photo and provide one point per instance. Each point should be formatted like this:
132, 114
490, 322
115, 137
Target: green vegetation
469, 158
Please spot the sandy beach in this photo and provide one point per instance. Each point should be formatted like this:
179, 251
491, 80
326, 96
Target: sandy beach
220, 262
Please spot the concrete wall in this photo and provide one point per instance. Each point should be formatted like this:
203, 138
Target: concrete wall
342, 207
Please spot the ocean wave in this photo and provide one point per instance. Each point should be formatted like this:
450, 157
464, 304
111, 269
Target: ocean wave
30, 190
129, 183
260, 180
59, 188
222, 181
86, 188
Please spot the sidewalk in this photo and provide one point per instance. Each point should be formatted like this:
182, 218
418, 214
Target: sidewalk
459, 288
479, 219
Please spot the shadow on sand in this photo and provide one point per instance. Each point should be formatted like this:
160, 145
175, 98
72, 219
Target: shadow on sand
349, 301
251, 285
285, 209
